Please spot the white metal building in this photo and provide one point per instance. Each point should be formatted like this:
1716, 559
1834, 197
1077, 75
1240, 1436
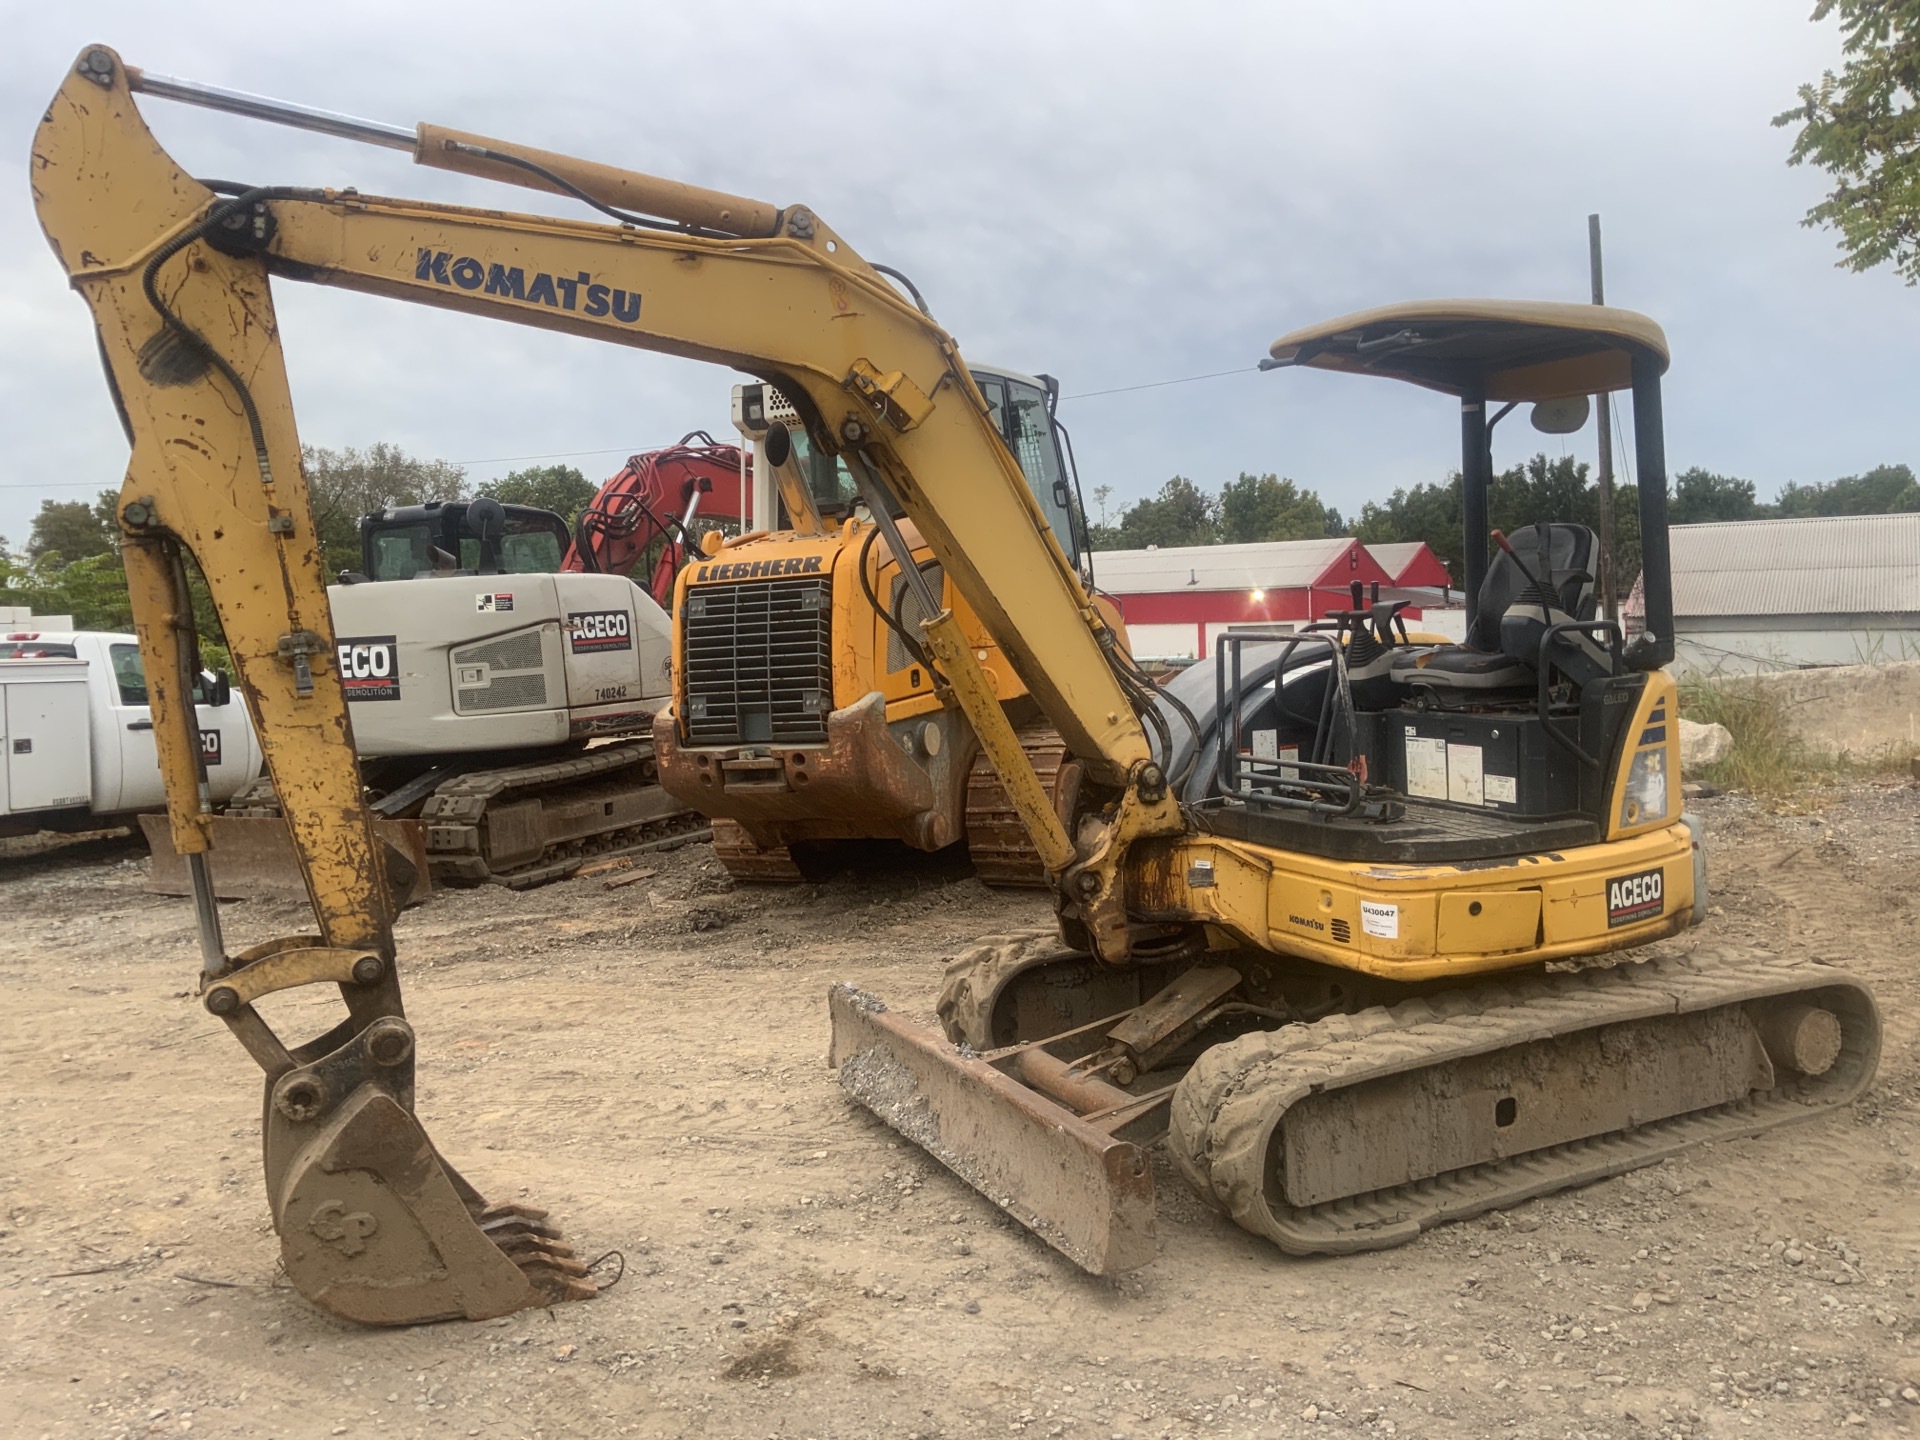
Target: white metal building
1753, 595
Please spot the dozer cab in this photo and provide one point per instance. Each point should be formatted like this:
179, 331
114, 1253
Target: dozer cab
1355, 992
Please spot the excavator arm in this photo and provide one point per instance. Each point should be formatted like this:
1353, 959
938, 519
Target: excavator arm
655, 496
374, 1225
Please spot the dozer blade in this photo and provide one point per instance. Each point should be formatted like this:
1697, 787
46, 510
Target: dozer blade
253, 859
1084, 1191
374, 1226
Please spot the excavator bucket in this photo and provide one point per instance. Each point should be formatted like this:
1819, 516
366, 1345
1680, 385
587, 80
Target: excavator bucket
374, 1226
1083, 1184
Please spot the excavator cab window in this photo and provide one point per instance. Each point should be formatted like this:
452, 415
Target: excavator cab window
406, 542
829, 481
1024, 420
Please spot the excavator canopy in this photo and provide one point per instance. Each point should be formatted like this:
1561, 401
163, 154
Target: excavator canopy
1516, 349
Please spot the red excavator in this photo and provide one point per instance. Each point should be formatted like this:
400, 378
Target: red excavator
655, 498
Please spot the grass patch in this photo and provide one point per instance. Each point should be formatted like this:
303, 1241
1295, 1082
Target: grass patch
1768, 758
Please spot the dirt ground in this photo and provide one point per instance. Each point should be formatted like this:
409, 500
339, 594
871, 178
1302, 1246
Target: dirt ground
648, 1063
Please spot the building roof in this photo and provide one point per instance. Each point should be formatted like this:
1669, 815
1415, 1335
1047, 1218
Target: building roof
1268, 565
1831, 565
1412, 563
1511, 349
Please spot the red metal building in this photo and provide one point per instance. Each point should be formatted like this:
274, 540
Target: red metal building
1176, 600
1413, 565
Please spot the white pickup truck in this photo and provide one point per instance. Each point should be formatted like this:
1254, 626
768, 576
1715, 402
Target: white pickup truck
77, 739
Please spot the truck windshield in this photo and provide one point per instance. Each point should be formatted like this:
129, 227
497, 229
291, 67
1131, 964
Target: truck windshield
1020, 412
130, 676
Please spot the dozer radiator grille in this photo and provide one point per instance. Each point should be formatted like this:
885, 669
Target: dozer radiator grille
759, 662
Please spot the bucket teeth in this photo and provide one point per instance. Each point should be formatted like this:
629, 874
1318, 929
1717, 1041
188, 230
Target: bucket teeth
506, 1209
526, 1250
557, 1287
548, 1262
499, 1227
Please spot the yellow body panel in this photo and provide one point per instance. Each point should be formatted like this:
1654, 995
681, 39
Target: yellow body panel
1417, 922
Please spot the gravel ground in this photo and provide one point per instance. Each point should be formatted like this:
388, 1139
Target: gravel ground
648, 1063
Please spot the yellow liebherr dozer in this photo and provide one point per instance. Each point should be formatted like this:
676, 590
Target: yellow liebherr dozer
1344, 981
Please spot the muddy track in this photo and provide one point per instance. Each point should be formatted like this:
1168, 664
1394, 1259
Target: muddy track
1228, 1109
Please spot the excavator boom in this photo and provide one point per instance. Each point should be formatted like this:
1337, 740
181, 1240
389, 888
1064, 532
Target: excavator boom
374, 1224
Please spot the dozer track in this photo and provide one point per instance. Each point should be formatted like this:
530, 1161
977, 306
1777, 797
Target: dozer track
1359, 1131
997, 840
525, 825
756, 864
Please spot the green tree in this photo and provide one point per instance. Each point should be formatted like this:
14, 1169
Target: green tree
1543, 488
93, 590
1423, 512
1883, 490
68, 530
559, 488
343, 485
1181, 514
1265, 507
1862, 127
1699, 496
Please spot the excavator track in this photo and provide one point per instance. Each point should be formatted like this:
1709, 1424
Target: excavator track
1357, 1131
997, 841
1281, 1116
525, 825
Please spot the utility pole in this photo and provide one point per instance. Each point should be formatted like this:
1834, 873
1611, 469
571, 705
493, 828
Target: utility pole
1608, 598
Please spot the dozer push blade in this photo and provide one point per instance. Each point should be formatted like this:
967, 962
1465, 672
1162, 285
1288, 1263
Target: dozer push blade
1077, 1186
374, 1226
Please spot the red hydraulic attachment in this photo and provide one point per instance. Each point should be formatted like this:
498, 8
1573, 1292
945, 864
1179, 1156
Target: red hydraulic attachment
656, 497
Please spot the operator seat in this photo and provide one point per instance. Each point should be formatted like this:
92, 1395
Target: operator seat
1503, 636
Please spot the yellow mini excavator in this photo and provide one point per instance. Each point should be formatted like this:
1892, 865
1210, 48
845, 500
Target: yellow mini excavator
1279, 905
1372, 978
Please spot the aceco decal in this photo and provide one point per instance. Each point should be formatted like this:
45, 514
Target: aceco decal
592, 632
1633, 898
369, 667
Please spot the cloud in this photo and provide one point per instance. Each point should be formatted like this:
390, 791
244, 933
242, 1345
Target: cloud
1112, 193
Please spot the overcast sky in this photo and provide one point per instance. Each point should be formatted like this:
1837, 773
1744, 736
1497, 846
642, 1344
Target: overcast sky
1114, 193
